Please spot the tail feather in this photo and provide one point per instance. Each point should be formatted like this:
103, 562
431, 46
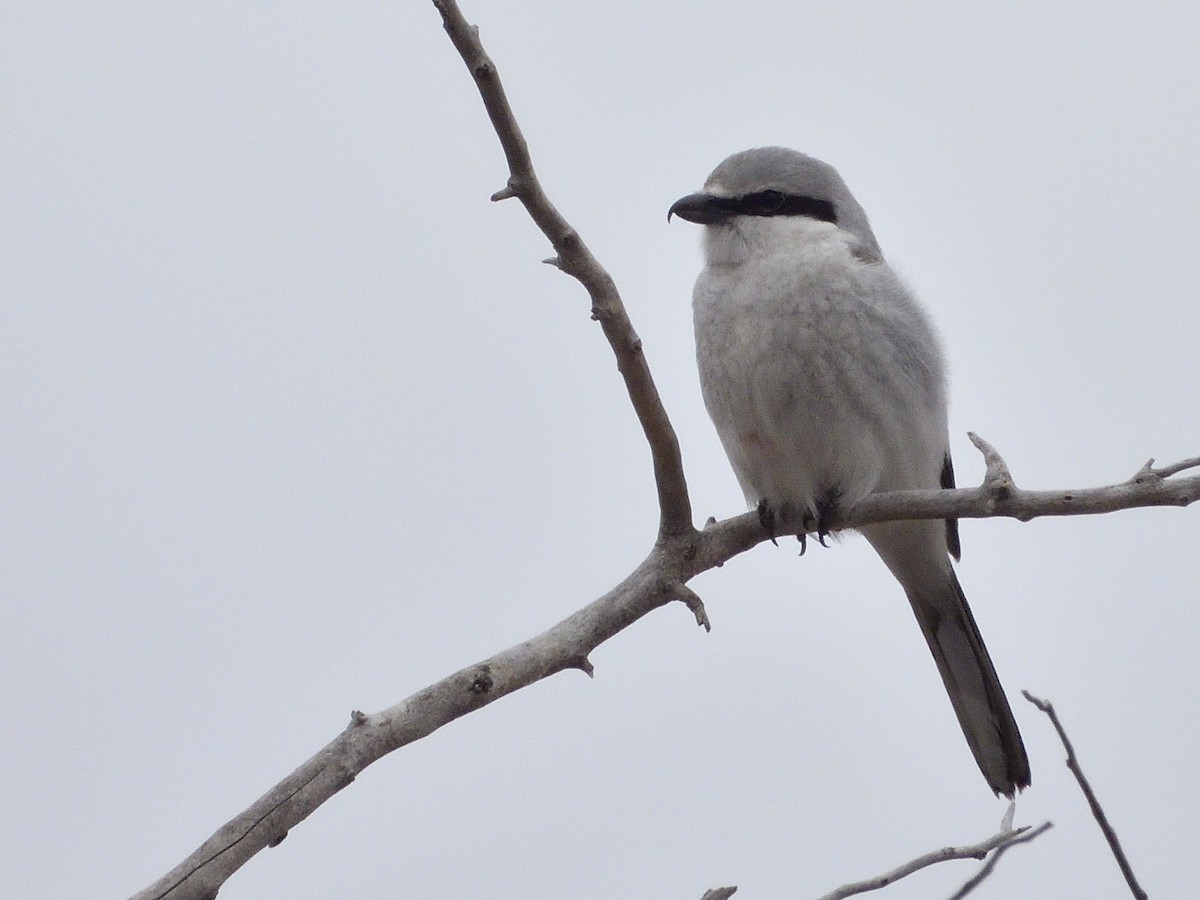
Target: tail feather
974, 688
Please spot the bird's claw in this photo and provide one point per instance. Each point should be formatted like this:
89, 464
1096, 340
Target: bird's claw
819, 520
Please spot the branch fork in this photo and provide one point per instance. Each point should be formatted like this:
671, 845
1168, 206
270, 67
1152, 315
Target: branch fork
679, 553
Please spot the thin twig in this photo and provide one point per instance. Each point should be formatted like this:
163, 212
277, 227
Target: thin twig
1168, 471
1110, 835
974, 851
986, 869
574, 258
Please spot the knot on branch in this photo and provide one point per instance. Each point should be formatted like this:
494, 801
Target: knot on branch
483, 681
569, 239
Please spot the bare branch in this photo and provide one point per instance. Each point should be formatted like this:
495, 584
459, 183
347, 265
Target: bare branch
722, 893
369, 737
1097, 812
974, 851
997, 496
574, 258
986, 869
679, 554
660, 579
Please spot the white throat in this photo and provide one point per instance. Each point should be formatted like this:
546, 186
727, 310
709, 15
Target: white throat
746, 238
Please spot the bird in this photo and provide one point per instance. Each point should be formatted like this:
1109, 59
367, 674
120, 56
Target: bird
826, 383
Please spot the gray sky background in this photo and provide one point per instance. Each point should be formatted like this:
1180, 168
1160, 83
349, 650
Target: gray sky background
295, 422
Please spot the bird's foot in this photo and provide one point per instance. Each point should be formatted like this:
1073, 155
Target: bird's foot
821, 519
811, 523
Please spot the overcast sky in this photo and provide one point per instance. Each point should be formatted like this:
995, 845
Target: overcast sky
293, 421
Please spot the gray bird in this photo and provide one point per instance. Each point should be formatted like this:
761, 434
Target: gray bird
825, 381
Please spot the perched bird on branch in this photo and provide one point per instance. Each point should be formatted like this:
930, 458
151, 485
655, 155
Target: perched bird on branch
825, 381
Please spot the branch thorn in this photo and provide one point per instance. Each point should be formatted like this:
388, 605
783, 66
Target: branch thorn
693, 602
997, 479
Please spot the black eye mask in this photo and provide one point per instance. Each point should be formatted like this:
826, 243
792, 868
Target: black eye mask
708, 209
777, 203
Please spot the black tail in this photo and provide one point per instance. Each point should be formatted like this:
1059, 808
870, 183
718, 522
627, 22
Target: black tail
973, 686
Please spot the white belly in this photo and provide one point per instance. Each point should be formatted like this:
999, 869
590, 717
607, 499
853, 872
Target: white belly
821, 375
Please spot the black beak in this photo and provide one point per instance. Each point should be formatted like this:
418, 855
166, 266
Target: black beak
703, 209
